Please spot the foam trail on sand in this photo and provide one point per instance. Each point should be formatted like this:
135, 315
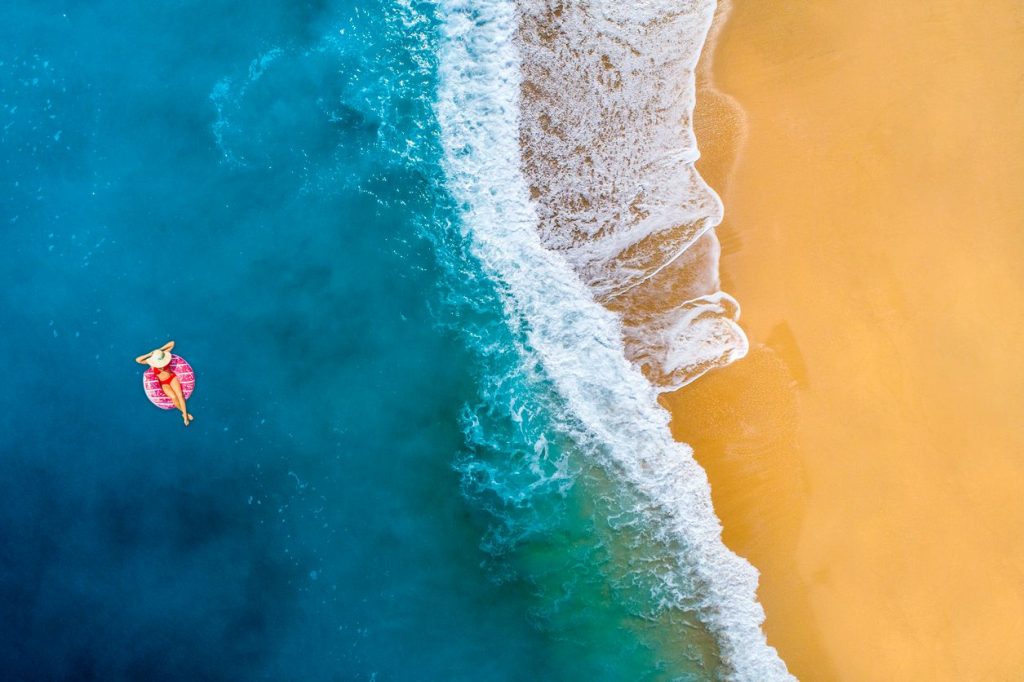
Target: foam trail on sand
612, 406
608, 92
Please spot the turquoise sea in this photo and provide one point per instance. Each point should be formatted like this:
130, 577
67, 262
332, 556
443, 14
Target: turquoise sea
389, 476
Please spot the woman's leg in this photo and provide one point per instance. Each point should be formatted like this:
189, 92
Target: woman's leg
173, 391
170, 394
176, 387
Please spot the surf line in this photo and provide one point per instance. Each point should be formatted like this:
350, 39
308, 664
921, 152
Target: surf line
576, 339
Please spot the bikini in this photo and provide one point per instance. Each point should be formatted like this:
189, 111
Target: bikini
156, 373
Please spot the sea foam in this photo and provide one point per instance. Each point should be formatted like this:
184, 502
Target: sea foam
579, 342
609, 152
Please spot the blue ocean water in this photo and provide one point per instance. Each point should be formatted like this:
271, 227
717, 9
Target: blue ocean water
251, 181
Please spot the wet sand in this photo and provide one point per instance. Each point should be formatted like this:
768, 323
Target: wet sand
868, 455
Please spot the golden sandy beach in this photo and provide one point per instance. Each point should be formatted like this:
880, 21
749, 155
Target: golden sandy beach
868, 455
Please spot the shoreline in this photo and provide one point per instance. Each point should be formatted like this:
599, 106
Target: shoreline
862, 456
716, 413
620, 428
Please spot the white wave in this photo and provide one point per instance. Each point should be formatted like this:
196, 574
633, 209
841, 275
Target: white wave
678, 324
577, 340
605, 119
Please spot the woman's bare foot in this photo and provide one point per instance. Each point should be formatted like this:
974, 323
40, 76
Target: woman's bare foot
185, 418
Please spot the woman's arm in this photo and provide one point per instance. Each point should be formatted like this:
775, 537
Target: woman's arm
142, 358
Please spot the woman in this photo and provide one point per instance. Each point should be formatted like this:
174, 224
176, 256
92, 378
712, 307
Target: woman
159, 360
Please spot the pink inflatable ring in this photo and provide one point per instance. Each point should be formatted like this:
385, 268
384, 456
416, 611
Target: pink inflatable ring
156, 394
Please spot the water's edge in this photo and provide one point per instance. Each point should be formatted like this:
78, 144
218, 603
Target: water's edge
611, 409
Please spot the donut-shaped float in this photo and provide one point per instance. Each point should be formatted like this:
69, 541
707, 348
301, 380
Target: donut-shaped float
156, 394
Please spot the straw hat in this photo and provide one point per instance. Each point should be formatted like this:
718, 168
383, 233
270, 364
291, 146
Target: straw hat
159, 358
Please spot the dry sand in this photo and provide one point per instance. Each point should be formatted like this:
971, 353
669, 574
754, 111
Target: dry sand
868, 455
